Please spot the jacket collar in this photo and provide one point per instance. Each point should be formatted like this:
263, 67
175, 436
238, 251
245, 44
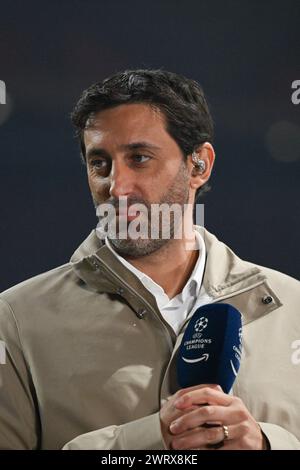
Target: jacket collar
225, 272
225, 276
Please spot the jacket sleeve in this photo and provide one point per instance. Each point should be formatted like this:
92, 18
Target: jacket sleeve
279, 438
142, 434
18, 417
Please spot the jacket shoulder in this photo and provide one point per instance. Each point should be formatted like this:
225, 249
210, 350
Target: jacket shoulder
280, 280
38, 285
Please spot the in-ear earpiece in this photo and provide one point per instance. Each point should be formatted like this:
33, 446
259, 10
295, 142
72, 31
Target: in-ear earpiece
199, 164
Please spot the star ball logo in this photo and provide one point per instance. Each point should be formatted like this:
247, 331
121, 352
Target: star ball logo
201, 324
2, 92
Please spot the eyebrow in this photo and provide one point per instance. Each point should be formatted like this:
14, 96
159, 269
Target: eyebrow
101, 152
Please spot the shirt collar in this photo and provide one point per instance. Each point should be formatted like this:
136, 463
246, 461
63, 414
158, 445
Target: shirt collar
193, 285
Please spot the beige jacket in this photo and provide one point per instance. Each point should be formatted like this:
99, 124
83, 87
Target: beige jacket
89, 357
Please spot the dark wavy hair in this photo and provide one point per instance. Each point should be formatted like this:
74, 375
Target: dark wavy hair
181, 100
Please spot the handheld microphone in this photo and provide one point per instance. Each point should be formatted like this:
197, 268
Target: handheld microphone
211, 347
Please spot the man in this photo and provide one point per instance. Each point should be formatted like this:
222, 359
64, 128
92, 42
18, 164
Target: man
91, 346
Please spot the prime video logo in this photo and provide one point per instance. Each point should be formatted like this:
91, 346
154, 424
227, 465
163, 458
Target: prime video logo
2, 92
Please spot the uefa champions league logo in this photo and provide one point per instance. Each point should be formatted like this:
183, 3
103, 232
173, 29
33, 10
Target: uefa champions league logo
201, 324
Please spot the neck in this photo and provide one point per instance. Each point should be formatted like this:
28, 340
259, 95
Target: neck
170, 266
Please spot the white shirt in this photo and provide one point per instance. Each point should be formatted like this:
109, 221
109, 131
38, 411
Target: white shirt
175, 310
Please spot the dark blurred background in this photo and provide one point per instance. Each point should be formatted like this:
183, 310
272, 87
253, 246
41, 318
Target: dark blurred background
244, 53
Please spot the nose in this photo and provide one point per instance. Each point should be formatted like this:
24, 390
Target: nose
122, 180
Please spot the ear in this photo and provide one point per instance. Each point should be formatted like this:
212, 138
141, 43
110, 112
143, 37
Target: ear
206, 153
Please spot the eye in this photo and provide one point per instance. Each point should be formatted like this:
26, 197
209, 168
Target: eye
99, 164
141, 158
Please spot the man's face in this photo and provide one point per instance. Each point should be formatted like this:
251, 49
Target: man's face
129, 153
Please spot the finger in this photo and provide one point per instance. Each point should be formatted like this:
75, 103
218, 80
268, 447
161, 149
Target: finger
198, 438
183, 391
200, 386
243, 436
204, 415
173, 413
203, 396
206, 438
234, 432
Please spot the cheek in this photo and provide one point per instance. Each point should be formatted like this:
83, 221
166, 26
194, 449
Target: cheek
99, 187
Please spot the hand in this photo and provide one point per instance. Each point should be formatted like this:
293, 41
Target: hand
170, 413
196, 406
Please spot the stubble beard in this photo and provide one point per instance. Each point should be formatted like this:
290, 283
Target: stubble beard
178, 193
